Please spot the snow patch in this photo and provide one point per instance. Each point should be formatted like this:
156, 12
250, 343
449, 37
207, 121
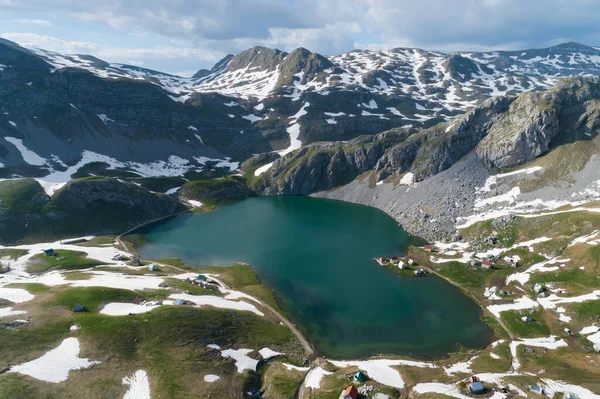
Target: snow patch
56, 364
139, 386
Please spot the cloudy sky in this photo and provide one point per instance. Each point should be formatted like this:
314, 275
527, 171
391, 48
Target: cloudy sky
181, 36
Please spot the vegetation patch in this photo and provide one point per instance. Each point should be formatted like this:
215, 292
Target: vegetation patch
533, 325
215, 191
91, 298
63, 260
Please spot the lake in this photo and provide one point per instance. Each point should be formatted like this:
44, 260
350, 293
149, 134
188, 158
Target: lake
316, 254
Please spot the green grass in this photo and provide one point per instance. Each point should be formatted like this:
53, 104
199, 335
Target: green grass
285, 386
465, 275
588, 310
176, 262
528, 258
92, 297
30, 287
98, 241
242, 278
215, 191
537, 328
73, 260
160, 184
14, 253
492, 323
573, 276
486, 363
194, 289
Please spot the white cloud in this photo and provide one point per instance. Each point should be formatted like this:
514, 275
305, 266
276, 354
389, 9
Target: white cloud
134, 56
207, 30
39, 22
51, 43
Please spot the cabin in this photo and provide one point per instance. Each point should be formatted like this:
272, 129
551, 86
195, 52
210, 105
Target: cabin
429, 248
349, 393
179, 301
571, 395
152, 268
360, 376
78, 308
384, 259
135, 261
394, 258
526, 319
486, 263
476, 387
201, 277
475, 262
410, 262
535, 388
420, 272
49, 252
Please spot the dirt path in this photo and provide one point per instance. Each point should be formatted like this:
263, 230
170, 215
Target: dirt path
305, 344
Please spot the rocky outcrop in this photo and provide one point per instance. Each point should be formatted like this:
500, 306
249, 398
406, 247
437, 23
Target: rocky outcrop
215, 191
501, 133
301, 61
321, 166
537, 121
521, 134
84, 206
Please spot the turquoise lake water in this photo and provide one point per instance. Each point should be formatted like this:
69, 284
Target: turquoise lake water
316, 255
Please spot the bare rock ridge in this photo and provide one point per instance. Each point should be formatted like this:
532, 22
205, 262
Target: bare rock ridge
61, 104
504, 132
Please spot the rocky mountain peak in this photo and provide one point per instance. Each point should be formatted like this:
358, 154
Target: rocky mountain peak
302, 61
258, 59
218, 67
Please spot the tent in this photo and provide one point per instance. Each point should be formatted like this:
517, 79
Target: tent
78, 308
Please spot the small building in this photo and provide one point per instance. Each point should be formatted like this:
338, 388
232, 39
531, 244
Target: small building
78, 308
400, 264
486, 263
535, 388
135, 261
394, 258
475, 262
201, 277
429, 248
152, 268
571, 395
360, 376
383, 259
569, 332
179, 301
410, 262
476, 387
539, 288
526, 319
49, 252
420, 272
349, 393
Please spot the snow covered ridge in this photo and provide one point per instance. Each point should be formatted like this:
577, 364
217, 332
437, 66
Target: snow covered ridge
174, 166
462, 77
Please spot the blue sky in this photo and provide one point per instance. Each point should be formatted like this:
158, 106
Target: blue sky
182, 36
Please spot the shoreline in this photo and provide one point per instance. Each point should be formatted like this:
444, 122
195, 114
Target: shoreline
412, 241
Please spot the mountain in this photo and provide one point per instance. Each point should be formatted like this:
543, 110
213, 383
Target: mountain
66, 116
431, 180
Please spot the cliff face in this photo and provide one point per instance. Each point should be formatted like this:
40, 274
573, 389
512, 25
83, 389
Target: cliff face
504, 132
321, 166
449, 161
